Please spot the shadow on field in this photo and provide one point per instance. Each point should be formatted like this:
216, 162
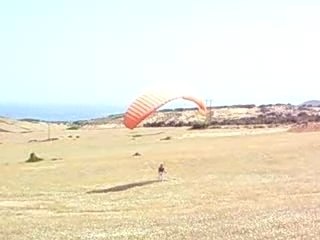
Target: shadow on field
124, 187
146, 134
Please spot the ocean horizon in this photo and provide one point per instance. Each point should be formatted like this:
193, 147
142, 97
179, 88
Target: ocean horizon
57, 112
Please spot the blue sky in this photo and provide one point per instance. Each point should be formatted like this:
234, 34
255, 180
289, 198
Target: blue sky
109, 52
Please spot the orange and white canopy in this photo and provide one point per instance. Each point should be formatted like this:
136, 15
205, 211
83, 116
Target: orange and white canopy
148, 103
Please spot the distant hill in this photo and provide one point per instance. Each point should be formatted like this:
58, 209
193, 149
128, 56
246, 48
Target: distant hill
269, 114
313, 103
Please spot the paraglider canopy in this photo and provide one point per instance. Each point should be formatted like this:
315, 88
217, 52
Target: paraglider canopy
146, 104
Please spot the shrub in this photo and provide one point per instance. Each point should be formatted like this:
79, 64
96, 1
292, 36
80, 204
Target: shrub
33, 158
303, 114
73, 127
199, 126
166, 138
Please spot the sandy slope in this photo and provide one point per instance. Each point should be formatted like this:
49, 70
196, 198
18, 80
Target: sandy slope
234, 186
16, 126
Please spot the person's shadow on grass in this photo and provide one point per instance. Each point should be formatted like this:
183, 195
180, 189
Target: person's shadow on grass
124, 187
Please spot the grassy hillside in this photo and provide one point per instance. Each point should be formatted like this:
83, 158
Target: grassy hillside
222, 184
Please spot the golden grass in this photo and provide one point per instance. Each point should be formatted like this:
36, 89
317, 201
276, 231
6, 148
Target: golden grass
221, 185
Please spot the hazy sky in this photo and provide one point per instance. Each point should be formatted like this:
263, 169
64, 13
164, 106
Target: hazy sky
108, 52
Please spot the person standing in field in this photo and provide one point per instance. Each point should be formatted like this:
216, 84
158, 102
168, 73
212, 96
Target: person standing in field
161, 172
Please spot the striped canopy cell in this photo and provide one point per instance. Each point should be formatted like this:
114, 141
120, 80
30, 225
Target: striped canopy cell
148, 103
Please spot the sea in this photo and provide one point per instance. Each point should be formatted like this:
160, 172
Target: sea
58, 112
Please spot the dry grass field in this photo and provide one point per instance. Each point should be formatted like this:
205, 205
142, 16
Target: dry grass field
221, 184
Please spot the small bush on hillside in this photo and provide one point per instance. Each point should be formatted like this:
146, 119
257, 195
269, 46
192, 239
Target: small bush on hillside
199, 126
166, 138
73, 127
33, 158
